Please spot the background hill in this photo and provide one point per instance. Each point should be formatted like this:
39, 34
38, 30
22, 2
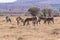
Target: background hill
21, 6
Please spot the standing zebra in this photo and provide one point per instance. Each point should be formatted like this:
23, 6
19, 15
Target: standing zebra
18, 19
8, 19
33, 19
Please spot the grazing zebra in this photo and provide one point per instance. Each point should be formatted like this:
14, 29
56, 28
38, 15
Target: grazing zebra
8, 19
33, 19
39, 19
18, 19
49, 19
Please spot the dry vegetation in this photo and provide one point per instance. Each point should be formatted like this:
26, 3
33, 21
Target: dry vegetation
12, 31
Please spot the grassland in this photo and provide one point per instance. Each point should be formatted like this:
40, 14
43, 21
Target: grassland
12, 31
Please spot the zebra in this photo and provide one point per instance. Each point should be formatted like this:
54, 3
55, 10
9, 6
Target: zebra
33, 19
8, 19
49, 20
18, 19
46, 19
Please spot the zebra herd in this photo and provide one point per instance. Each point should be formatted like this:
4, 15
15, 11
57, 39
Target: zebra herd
35, 20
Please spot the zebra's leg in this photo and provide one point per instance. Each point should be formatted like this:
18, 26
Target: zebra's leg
6, 20
53, 21
44, 21
17, 22
10, 20
48, 21
39, 21
36, 23
33, 23
27, 22
24, 22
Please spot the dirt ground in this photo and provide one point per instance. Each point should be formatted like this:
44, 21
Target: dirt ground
12, 31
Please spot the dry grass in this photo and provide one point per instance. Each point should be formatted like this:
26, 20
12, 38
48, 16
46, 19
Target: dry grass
12, 31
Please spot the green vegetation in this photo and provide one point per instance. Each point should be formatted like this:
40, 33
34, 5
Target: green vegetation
34, 11
47, 12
